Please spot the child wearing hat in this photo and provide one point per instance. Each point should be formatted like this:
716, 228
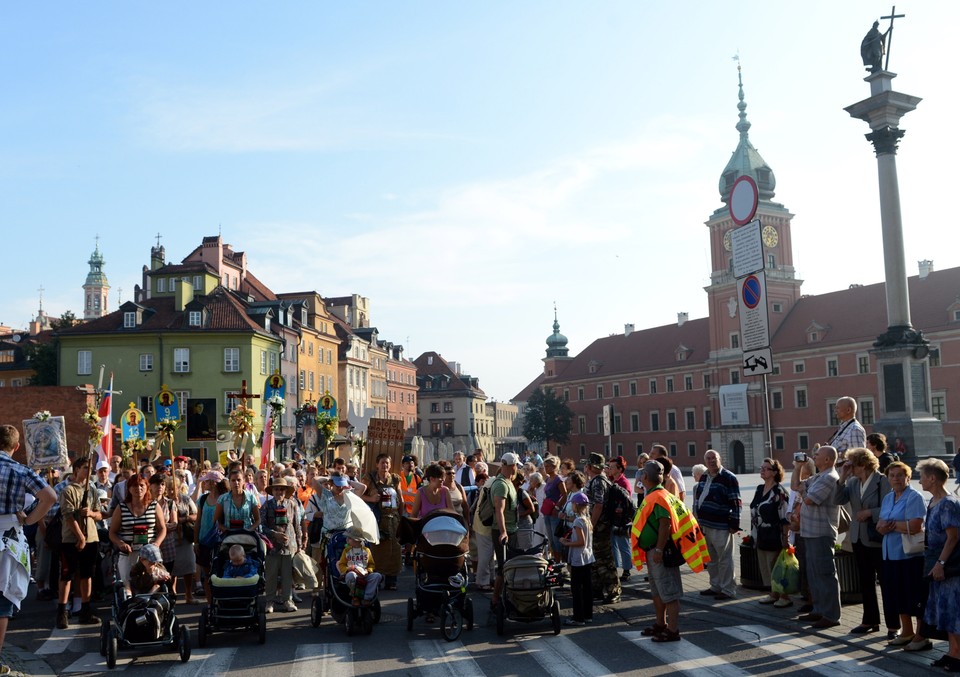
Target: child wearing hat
148, 573
356, 566
282, 517
580, 557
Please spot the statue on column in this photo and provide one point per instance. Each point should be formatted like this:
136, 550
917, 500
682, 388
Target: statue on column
872, 48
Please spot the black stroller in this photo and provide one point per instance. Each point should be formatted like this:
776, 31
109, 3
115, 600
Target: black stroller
141, 622
238, 603
528, 582
335, 596
439, 568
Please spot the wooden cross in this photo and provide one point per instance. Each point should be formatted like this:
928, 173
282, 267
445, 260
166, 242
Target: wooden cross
893, 15
243, 395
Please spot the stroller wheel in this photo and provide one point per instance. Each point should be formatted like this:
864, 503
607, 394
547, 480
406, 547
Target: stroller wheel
183, 640
376, 611
468, 612
451, 622
262, 627
316, 611
411, 613
112, 647
350, 622
555, 617
366, 621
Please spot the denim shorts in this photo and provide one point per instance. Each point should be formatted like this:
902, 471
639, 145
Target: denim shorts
6, 607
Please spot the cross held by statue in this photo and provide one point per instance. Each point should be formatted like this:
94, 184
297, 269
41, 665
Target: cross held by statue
243, 395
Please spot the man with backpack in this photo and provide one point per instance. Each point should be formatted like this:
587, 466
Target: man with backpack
619, 510
606, 582
503, 497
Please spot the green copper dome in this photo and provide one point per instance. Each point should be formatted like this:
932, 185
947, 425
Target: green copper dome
556, 342
96, 276
746, 161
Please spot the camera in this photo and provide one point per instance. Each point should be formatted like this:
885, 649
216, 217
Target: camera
800, 456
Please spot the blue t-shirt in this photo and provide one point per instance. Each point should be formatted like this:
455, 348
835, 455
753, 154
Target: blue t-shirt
910, 506
245, 570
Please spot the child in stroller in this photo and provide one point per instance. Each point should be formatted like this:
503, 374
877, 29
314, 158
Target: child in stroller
238, 602
440, 572
356, 566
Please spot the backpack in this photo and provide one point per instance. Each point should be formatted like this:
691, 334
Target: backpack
618, 509
485, 507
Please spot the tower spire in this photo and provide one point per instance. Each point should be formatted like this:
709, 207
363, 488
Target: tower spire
556, 342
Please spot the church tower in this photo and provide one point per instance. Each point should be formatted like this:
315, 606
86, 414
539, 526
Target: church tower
783, 287
96, 288
557, 352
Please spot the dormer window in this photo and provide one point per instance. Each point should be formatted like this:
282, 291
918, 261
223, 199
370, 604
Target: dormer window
266, 324
129, 320
195, 318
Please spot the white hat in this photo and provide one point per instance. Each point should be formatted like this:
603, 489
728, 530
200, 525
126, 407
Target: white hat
509, 458
103, 464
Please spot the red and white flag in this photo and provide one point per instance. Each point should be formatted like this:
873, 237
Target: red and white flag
266, 448
105, 448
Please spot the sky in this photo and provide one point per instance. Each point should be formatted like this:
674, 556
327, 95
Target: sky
463, 165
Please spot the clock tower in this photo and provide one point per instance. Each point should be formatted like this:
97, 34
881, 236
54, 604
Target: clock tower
96, 287
783, 287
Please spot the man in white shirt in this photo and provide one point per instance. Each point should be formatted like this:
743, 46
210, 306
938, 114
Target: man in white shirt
660, 451
850, 434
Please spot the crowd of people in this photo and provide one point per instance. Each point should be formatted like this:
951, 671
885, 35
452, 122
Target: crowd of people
166, 519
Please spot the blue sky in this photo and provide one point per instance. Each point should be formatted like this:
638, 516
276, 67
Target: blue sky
463, 165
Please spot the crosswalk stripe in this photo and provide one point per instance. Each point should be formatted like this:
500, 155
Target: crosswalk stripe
559, 655
444, 659
323, 660
94, 662
804, 653
58, 641
206, 662
684, 656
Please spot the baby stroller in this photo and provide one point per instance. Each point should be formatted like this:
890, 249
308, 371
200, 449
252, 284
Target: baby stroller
528, 582
439, 568
335, 596
238, 603
141, 622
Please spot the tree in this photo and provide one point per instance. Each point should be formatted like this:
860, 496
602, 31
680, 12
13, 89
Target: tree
548, 418
43, 358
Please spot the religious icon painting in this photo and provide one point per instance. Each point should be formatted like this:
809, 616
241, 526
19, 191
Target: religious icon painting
46, 442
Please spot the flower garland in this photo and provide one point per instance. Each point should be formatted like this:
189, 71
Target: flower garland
327, 425
42, 415
131, 447
92, 419
165, 430
241, 423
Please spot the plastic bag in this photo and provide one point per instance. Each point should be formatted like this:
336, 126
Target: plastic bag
785, 577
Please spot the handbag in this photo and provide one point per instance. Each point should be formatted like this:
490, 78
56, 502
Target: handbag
562, 530
548, 507
913, 544
671, 555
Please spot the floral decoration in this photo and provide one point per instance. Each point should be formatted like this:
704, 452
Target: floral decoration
42, 415
92, 419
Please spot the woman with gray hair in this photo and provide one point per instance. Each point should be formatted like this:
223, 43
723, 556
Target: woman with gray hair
940, 564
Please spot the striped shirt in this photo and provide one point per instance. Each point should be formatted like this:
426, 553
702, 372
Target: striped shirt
16, 482
129, 523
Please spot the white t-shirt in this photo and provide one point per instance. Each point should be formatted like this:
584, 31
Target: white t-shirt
579, 557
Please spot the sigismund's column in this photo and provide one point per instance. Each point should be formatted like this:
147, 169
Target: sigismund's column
901, 351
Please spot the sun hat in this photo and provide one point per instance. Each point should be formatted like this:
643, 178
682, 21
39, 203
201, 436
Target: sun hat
340, 480
151, 553
356, 533
212, 476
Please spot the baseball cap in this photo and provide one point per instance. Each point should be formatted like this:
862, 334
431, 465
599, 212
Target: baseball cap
167, 462
151, 553
406, 459
103, 464
509, 458
185, 459
340, 480
579, 498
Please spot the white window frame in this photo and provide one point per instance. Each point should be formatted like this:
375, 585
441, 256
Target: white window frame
263, 361
129, 319
231, 360
181, 360
84, 362
146, 361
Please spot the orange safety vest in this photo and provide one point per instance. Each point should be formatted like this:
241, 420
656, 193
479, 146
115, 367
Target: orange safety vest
408, 492
684, 530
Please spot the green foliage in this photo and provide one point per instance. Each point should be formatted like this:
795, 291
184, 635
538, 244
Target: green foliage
548, 418
43, 359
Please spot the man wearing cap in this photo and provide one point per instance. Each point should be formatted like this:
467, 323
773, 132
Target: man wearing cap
103, 480
504, 530
606, 581
80, 508
282, 516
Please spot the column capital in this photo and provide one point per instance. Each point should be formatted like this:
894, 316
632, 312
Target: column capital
885, 140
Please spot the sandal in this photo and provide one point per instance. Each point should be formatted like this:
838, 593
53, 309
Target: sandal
653, 630
667, 635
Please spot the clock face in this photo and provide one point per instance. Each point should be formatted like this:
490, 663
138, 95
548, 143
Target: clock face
770, 236
727, 244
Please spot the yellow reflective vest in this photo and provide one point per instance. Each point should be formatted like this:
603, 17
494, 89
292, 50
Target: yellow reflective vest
684, 530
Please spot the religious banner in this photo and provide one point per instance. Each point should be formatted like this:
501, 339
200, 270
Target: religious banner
202, 412
328, 405
166, 406
132, 425
276, 386
45, 441
308, 437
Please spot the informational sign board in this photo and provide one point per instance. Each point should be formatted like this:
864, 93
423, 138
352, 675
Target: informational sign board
754, 319
607, 420
733, 405
758, 362
747, 249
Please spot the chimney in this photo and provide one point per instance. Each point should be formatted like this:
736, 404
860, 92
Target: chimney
682, 318
926, 267
183, 294
627, 330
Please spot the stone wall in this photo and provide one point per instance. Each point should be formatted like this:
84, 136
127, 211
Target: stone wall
17, 404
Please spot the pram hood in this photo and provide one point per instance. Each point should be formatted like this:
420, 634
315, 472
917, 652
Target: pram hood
445, 530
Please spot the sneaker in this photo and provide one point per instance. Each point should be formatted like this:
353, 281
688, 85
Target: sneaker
574, 623
782, 603
288, 606
269, 608
297, 599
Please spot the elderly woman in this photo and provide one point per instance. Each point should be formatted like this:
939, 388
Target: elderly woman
698, 471
943, 534
139, 521
903, 587
238, 509
864, 491
770, 526
184, 561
